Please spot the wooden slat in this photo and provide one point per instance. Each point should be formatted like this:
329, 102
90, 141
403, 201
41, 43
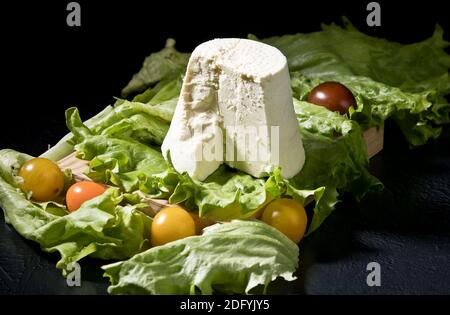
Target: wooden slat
79, 167
374, 138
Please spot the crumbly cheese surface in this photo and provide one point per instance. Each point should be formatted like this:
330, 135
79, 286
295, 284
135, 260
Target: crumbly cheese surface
235, 107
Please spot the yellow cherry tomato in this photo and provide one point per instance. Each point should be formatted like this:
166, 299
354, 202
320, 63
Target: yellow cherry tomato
43, 178
81, 192
288, 216
171, 224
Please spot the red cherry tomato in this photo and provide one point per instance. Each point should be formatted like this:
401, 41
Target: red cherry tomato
334, 96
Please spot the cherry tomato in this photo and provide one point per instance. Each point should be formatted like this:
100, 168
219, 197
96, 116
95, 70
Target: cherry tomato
171, 224
333, 95
43, 178
288, 216
80, 192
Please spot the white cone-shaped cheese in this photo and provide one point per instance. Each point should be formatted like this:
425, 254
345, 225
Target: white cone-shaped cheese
236, 108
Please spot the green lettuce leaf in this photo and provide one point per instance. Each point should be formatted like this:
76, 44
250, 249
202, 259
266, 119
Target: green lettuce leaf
335, 152
148, 123
116, 158
233, 257
101, 228
229, 194
165, 64
337, 51
64, 146
419, 115
165, 90
404, 82
146, 120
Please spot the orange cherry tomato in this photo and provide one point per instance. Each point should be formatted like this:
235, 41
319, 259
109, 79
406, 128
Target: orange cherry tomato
80, 192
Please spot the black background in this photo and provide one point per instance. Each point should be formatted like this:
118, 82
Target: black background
48, 66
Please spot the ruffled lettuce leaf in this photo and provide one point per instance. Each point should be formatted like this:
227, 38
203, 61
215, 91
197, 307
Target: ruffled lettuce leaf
165, 64
233, 257
420, 115
145, 119
335, 152
64, 146
150, 123
406, 83
102, 227
335, 51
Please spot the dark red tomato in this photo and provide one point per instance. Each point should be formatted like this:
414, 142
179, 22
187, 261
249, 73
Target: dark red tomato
334, 96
